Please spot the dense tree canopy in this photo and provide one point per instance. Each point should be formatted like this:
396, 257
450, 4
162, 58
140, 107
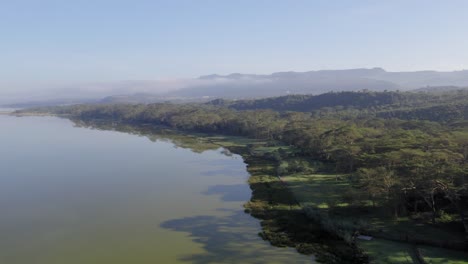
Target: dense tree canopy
407, 151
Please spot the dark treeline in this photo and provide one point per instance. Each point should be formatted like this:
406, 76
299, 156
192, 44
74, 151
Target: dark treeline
448, 112
407, 166
404, 105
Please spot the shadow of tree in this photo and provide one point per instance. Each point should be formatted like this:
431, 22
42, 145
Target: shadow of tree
231, 239
230, 193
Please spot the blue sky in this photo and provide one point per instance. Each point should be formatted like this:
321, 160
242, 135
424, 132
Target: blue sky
108, 40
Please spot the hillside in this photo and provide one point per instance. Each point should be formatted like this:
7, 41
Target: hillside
437, 106
239, 86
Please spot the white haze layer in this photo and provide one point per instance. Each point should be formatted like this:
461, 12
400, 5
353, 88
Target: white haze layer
42, 91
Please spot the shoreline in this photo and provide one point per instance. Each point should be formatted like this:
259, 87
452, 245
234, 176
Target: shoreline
283, 220
12, 113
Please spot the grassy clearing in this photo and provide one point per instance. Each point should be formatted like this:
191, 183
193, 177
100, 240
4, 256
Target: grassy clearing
318, 190
231, 141
443, 256
417, 230
382, 251
327, 192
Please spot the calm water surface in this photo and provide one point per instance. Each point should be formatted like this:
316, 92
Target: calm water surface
76, 195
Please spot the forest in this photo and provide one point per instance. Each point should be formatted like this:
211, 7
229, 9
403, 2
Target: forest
404, 154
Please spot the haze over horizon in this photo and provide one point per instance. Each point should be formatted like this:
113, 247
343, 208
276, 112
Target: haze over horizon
236, 86
93, 47
245, 131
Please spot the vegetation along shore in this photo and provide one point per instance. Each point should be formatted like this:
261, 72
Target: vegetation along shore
327, 169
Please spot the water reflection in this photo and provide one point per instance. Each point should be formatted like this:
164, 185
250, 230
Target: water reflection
155, 134
85, 194
230, 193
230, 239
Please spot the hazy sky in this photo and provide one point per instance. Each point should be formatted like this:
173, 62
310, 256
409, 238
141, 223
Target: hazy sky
108, 40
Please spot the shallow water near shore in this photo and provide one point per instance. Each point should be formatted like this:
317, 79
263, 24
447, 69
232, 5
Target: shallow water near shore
76, 195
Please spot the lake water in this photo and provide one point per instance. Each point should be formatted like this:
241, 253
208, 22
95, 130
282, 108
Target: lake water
73, 195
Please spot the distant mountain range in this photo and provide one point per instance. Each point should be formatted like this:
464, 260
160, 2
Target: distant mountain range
51, 102
247, 86
317, 82
244, 86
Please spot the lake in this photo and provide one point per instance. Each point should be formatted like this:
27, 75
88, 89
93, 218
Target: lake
71, 195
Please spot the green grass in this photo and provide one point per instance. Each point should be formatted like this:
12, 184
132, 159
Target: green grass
443, 256
382, 251
325, 190
230, 141
317, 190
399, 228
